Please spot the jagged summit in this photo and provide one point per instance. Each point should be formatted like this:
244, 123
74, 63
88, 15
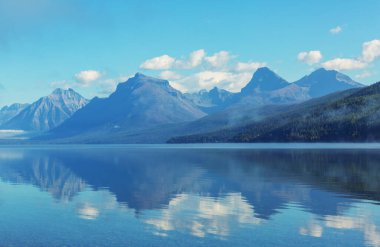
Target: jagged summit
140, 102
322, 82
139, 80
47, 112
264, 80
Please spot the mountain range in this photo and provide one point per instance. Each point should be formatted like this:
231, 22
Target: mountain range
47, 112
139, 103
148, 110
349, 116
8, 112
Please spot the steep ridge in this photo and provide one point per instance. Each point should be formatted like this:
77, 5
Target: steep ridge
140, 102
47, 112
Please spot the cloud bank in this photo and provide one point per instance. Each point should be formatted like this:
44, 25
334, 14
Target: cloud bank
310, 57
201, 71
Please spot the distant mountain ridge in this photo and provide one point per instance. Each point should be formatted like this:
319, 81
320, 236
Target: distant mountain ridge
212, 101
266, 88
8, 112
322, 82
350, 116
47, 112
264, 80
140, 102
148, 110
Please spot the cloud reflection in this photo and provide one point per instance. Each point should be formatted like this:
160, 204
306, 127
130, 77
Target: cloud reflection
87, 212
214, 216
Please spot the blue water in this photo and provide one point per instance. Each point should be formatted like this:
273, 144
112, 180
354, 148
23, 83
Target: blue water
189, 195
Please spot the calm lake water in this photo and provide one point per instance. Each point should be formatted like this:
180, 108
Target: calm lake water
176, 196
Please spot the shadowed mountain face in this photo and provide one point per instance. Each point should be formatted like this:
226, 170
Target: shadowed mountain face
138, 103
322, 82
266, 88
264, 80
8, 112
352, 115
48, 112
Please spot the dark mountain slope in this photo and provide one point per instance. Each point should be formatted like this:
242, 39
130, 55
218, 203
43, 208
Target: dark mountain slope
352, 115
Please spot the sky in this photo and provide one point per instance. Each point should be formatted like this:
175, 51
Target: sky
91, 45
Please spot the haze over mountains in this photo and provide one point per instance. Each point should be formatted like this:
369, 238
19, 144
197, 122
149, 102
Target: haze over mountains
148, 110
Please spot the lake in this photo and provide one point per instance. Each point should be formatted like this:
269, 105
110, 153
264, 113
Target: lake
190, 195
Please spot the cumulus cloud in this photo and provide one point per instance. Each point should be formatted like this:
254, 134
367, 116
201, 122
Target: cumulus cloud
219, 59
249, 67
195, 59
86, 77
88, 212
214, 217
310, 57
209, 79
344, 64
166, 62
91, 79
336, 30
218, 69
158, 63
178, 86
371, 50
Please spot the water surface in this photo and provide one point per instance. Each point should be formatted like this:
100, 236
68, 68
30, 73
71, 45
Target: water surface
189, 195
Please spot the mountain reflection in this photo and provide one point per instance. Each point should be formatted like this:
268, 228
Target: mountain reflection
208, 191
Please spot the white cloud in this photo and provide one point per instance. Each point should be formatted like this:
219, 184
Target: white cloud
195, 59
313, 230
344, 64
208, 71
87, 212
371, 50
209, 79
86, 77
103, 87
336, 30
212, 217
166, 62
363, 75
310, 57
158, 63
249, 67
170, 75
219, 59
178, 86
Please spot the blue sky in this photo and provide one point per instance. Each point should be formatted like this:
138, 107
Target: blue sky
91, 45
